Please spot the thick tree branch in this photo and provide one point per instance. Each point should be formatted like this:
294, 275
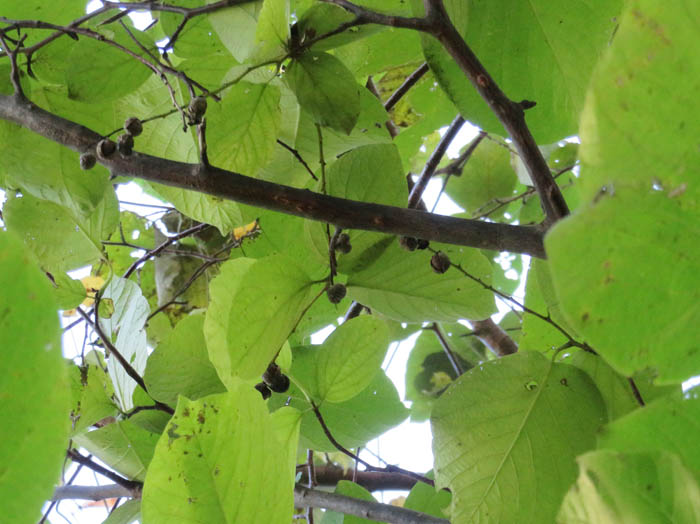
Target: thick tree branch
340, 212
305, 497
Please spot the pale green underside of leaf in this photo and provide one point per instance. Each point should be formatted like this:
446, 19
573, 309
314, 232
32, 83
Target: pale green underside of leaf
126, 329
636, 131
509, 455
402, 286
255, 305
220, 460
539, 50
631, 488
35, 411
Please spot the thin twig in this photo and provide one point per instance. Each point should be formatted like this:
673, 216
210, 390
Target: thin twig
298, 157
433, 162
446, 348
401, 91
389, 468
132, 485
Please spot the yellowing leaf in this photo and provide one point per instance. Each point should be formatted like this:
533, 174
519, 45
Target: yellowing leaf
247, 230
92, 285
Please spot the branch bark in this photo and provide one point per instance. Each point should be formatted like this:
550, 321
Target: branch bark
347, 214
304, 498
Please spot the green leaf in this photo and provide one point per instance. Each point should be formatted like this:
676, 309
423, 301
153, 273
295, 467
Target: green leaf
637, 154
255, 305
349, 489
68, 292
272, 31
427, 499
126, 327
323, 19
96, 395
402, 286
354, 176
631, 487
326, 89
509, 455
220, 459
180, 365
350, 357
95, 72
198, 37
60, 240
33, 386
353, 423
126, 513
123, 446
602, 257
242, 129
537, 50
669, 424
236, 27
488, 175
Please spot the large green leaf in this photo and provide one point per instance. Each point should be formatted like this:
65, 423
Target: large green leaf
255, 305
350, 357
602, 257
180, 365
242, 129
272, 31
221, 459
631, 254
122, 445
33, 386
509, 455
539, 50
402, 286
427, 499
631, 488
669, 424
326, 89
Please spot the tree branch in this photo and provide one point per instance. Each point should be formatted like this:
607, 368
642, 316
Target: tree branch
495, 338
511, 114
91, 492
330, 475
347, 214
305, 497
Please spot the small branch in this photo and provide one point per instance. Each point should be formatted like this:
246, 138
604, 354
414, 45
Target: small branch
446, 348
433, 162
365, 16
158, 250
132, 485
389, 124
305, 497
298, 157
120, 358
330, 475
410, 81
109, 491
389, 468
